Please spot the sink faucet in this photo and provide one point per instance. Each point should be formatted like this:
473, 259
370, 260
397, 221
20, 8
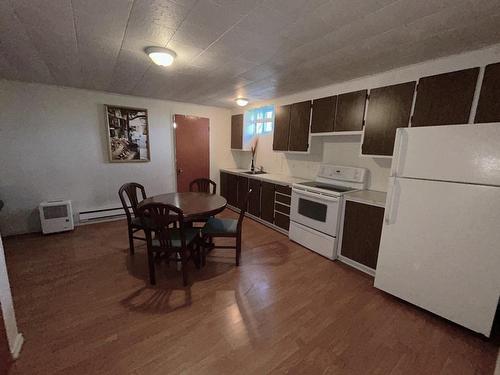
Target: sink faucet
261, 168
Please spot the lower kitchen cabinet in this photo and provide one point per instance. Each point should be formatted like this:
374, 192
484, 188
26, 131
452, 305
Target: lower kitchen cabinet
232, 190
242, 191
282, 221
361, 233
223, 184
254, 202
267, 202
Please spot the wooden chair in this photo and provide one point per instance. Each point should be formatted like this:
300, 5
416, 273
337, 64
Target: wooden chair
203, 185
216, 227
134, 222
172, 242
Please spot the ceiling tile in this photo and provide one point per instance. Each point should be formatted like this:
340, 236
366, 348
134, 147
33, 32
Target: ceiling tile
225, 48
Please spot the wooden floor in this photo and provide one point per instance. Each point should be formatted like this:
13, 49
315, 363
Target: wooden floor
84, 307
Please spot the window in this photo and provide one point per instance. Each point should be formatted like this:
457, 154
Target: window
259, 120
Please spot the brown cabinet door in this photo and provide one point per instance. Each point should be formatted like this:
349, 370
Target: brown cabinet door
237, 132
300, 118
323, 114
242, 191
232, 190
267, 202
361, 233
254, 202
223, 184
488, 107
445, 99
350, 111
389, 109
281, 131
282, 221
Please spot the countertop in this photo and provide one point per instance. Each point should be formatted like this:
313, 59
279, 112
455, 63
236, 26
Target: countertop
372, 197
279, 179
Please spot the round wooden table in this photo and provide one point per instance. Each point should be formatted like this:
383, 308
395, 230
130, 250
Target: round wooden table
195, 206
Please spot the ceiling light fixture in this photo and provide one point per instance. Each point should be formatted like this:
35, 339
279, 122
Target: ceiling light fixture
161, 56
242, 101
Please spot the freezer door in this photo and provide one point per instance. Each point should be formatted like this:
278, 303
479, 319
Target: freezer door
457, 153
440, 249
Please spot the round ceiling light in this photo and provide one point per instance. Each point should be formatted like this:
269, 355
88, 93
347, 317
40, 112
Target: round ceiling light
242, 101
161, 56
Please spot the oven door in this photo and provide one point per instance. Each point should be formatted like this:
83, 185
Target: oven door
316, 211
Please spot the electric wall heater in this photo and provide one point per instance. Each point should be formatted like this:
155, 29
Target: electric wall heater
56, 216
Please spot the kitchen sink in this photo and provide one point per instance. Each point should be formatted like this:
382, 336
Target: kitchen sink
256, 172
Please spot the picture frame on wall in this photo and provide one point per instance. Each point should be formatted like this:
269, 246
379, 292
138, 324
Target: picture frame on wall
128, 134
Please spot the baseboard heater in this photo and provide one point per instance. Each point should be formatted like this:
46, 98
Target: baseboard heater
107, 214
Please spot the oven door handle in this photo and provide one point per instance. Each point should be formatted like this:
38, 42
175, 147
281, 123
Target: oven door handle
315, 195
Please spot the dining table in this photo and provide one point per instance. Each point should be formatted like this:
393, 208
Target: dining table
194, 205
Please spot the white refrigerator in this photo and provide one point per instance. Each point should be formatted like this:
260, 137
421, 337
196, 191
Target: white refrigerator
440, 245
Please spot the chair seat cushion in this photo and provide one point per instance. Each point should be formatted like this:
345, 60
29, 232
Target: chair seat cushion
189, 233
220, 226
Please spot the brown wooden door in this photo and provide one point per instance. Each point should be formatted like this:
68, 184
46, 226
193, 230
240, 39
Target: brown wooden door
232, 189
361, 233
223, 184
267, 202
281, 131
254, 202
237, 132
242, 192
388, 110
323, 114
192, 150
350, 111
488, 107
300, 118
445, 99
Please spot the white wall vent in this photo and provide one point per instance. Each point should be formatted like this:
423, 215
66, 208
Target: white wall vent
56, 216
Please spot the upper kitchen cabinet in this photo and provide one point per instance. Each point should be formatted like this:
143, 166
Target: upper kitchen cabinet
323, 114
350, 111
445, 99
389, 108
281, 128
237, 132
300, 119
291, 127
488, 108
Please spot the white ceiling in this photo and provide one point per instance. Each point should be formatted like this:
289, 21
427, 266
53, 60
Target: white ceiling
255, 48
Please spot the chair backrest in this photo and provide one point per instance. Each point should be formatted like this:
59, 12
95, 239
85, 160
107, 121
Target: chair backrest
130, 190
243, 210
203, 185
161, 216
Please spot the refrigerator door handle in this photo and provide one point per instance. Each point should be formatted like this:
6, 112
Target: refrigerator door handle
392, 201
399, 151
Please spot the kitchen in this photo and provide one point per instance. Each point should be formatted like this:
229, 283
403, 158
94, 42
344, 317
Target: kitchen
403, 131
249, 187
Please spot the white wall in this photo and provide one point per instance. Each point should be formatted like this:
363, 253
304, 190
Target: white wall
53, 146
345, 150
7, 306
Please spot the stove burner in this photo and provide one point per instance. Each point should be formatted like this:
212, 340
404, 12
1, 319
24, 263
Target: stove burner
339, 189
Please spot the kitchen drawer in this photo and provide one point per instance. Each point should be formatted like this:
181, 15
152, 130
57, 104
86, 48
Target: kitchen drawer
282, 208
287, 190
286, 199
281, 220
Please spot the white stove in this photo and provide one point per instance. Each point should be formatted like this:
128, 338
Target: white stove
316, 207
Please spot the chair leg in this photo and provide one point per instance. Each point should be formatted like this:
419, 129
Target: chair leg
151, 265
131, 240
238, 250
184, 270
